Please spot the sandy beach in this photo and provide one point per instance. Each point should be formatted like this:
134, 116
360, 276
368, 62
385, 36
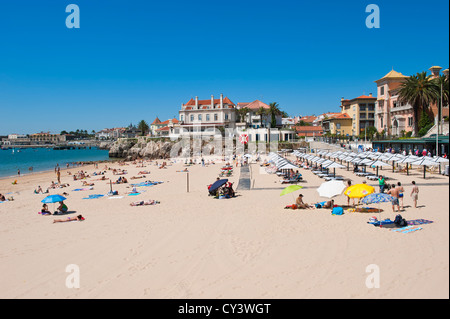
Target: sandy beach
191, 245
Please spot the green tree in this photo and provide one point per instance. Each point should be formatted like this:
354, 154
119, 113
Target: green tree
273, 111
143, 127
262, 112
419, 91
242, 113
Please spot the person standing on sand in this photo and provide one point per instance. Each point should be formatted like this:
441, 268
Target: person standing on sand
381, 183
394, 193
400, 193
18, 172
415, 193
58, 174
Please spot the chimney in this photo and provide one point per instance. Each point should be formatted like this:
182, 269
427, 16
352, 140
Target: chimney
196, 102
435, 71
212, 101
221, 100
370, 94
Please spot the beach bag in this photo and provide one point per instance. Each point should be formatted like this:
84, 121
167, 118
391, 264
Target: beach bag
400, 221
337, 211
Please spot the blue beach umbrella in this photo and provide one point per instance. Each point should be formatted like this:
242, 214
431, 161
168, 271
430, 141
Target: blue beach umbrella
377, 198
53, 199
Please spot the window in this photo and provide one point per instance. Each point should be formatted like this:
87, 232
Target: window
338, 126
362, 107
192, 118
410, 121
371, 107
226, 117
199, 117
207, 117
362, 116
382, 90
181, 118
215, 117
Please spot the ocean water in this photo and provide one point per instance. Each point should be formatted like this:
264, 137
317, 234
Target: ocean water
44, 159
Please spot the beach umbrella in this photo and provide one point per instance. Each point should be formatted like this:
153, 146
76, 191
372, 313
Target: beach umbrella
53, 199
359, 190
290, 189
425, 161
217, 184
377, 198
377, 164
333, 165
331, 189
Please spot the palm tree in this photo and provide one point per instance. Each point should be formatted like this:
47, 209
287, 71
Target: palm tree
262, 112
274, 111
242, 113
143, 127
419, 91
442, 86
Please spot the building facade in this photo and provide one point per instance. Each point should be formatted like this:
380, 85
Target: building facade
362, 112
207, 115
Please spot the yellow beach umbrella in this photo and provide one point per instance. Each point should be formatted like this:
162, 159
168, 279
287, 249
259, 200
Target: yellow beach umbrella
359, 190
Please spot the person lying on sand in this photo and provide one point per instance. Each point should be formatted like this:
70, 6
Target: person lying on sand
144, 172
69, 219
87, 184
144, 202
136, 177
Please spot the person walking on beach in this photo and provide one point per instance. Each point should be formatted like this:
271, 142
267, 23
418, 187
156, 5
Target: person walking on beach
394, 193
415, 193
381, 183
18, 172
58, 174
349, 183
400, 193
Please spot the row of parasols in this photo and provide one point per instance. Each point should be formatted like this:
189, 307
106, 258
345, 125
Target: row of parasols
373, 159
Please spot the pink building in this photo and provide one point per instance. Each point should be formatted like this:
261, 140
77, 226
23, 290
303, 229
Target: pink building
395, 117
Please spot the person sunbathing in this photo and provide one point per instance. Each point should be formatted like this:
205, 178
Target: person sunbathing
301, 205
87, 184
144, 202
136, 177
69, 219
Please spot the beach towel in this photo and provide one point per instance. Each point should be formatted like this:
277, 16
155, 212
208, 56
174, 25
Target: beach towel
114, 197
407, 229
93, 196
387, 221
133, 194
84, 189
419, 222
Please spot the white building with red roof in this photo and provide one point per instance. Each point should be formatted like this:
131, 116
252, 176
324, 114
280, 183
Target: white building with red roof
207, 115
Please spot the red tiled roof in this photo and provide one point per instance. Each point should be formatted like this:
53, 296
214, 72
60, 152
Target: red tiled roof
174, 121
308, 118
308, 128
226, 100
156, 121
165, 128
257, 104
365, 97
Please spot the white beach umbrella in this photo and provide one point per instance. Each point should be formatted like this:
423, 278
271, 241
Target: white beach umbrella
331, 189
425, 161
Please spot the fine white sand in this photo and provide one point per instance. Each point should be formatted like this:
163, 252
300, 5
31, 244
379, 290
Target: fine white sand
194, 246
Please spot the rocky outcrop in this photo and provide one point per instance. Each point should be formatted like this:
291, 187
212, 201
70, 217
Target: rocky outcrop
131, 149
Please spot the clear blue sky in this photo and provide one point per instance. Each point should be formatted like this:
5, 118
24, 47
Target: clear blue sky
133, 60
